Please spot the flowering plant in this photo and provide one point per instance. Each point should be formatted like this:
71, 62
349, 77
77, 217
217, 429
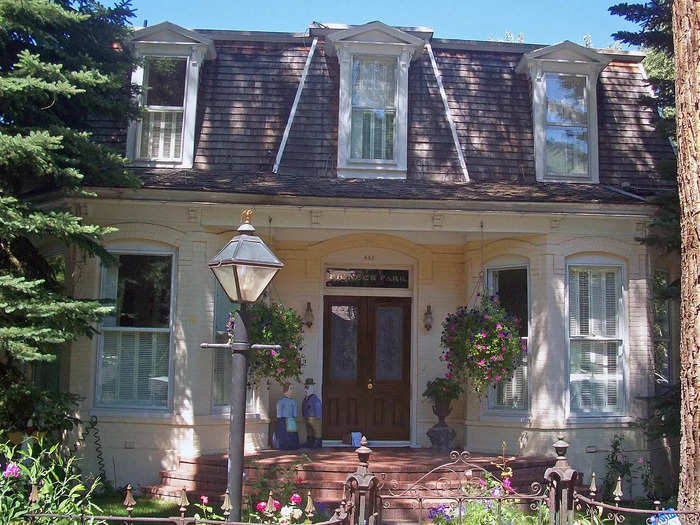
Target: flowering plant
481, 344
442, 388
207, 510
274, 324
272, 511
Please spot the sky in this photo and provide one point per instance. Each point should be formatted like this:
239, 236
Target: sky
540, 21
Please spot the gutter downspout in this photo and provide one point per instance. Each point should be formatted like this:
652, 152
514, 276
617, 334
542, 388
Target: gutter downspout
290, 120
450, 120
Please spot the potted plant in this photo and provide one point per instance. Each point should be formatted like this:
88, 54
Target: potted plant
442, 391
274, 324
482, 344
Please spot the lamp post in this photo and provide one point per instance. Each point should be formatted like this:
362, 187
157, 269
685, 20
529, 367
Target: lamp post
244, 268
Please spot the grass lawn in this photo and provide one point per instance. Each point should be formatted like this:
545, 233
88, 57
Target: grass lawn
111, 505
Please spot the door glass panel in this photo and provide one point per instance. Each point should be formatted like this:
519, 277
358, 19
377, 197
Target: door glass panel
343, 351
389, 343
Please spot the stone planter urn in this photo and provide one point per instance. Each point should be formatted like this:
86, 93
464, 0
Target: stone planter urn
441, 436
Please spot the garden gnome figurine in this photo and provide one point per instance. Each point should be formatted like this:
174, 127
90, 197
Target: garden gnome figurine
311, 410
286, 435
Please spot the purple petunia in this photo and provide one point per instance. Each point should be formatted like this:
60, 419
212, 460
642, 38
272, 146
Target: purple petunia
11, 471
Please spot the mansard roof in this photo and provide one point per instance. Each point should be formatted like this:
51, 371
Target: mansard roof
247, 92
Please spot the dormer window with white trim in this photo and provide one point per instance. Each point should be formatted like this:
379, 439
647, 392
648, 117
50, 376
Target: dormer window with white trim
373, 108
169, 78
160, 133
373, 99
565, 115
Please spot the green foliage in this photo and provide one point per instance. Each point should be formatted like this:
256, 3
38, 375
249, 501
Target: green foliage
665, 419
23, 406
280, 481
62, 70
274, 324
482, 345
442, 388
617, 465
60, 489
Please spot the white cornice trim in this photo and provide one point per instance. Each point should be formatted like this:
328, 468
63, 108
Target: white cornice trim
140, 37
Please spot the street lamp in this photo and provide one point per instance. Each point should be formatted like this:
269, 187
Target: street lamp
243, 268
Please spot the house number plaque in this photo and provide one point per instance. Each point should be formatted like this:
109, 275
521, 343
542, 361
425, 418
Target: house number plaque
366, 278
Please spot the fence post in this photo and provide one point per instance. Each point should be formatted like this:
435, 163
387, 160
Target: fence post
362, 485
561, 479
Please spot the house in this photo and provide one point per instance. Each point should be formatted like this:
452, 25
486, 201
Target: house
396, 175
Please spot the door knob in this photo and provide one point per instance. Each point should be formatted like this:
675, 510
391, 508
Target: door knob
370, 385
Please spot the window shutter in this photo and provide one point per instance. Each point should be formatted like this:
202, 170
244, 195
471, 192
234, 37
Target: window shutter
161, 134
611, 304
596, 304
584, 303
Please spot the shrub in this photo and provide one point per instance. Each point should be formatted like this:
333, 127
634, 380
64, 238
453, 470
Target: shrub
442, 388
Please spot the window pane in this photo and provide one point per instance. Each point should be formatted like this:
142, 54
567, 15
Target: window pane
373, 83
161, 135
143, 290
389, 343
567, 151
566, 100
164, 81
344, 342
511, 285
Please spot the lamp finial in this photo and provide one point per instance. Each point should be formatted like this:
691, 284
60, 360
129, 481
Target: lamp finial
247, 216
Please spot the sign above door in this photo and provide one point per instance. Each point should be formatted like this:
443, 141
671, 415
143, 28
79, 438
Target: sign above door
366, 278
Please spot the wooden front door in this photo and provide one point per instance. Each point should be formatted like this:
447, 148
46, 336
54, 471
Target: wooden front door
367, 367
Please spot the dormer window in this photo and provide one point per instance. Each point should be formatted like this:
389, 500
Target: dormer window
164, 81
373, 108
564, 111
373, 99
169, 77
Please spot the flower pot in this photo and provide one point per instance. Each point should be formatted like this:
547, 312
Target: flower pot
441, 436
16, 436
442, 409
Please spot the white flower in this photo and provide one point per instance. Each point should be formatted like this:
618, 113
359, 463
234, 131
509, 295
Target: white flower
286, 511
296, 514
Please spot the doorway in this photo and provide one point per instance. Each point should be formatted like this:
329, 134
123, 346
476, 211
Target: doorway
367, 367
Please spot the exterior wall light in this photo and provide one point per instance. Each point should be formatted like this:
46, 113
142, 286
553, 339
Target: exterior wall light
428, 318
308, 316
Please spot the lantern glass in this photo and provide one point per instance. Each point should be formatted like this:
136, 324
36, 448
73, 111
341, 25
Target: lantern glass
227, 279
252, 281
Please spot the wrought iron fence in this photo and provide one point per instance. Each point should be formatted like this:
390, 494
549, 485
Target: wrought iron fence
342, 515
451, 488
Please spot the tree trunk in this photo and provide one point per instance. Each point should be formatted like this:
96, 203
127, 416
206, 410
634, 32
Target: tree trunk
686, 38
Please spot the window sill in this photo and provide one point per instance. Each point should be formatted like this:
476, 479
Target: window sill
506, 416
369, 171
121, 413
569, 180
598, 418
144, 163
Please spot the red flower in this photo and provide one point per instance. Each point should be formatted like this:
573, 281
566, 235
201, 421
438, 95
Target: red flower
205, 499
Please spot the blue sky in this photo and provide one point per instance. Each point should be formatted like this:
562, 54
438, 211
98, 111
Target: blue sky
541, 22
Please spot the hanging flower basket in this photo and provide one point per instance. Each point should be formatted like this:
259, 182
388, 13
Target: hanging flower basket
273, 324
481, 344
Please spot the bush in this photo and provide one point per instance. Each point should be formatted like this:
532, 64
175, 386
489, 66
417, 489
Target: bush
442, 388
58, 487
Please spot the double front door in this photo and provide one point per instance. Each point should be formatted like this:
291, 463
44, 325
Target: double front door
367, 367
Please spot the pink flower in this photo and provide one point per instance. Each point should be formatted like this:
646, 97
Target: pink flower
11, 471
277, 504
279, 370
260, 507
482, 483
497, 378
295, 498
507, 485
493, 358
448, 375
291, 346
641, 461
486, 316
499, 326
500, 335
273, 352
500, 357
447, 357
481, 363
524, 348
283, 360
483, 335
299, 481
205, 499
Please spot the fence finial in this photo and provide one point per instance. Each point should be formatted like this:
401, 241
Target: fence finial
618, 490
184, 502
593, 489
310, 509
226, 505
129, 501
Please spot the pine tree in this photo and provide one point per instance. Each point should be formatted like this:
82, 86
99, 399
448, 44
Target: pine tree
62, 70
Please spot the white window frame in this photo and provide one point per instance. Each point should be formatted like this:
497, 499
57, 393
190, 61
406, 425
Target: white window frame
251, 392
569, 59
620, 267
491, 407
195, 53
139, 409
